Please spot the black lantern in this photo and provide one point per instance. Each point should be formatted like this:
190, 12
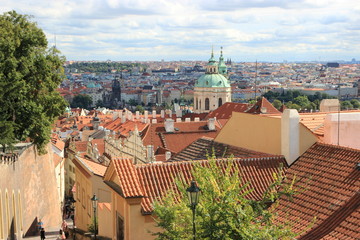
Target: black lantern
193, 194
94, 200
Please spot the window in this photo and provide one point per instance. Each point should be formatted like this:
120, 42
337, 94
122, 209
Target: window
207, 104
78, 191
119, 227
197, 103
220, 102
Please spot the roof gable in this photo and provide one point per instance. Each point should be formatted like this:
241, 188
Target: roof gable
332, 194
263, 106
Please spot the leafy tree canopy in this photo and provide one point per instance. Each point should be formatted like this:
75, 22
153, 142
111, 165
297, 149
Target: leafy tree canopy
81, 101
225, 209
30, 72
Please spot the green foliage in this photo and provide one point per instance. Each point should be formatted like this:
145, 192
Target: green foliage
346, 105
225, 210
355, 103
302, 101
277, 104
140, 109
133, 102
102, 67
91, 227
81, 101
29, 76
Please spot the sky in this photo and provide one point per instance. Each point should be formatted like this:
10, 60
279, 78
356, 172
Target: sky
172, 30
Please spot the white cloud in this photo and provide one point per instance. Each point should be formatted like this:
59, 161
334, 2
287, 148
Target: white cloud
172, 29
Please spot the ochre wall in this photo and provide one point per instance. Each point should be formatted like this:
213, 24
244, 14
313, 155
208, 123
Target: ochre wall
32, 180
258, 133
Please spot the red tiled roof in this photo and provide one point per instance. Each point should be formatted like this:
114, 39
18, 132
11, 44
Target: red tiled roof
96, 168
263, 106
151, 181
225, 110
56, 159
202, 147
81, 146
187, 133
100, 145
332, 193
129, 180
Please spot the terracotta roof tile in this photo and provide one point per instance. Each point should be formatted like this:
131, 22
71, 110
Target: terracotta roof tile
81, 146
204, 146
96, 168
263, 106
332, 194
153, 180
129, 180
225, 110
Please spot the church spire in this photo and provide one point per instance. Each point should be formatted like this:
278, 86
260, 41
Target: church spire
222, 65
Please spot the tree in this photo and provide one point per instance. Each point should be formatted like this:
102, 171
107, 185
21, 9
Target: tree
277, 104
81, 101
302, 101
140, 109
225, 211
346, 105
355, 103
99, 103
30, 72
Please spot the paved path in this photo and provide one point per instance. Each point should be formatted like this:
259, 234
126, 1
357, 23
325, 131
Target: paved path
51, 232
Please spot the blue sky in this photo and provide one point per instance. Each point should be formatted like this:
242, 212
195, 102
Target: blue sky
249, 30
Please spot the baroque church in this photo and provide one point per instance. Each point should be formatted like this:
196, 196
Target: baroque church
213, 88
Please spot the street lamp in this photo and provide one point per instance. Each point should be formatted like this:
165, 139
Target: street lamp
94, 200
193, 194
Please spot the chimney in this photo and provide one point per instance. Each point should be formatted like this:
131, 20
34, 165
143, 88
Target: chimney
115, 115
154, 120
197, 119
167, 155
187, 119
129, 115
211, 124
120, 114
150, 151
179, 113
146, 114
123, 118
169, 125
154, 114
137, 115
162, 114
178, 119
290, 133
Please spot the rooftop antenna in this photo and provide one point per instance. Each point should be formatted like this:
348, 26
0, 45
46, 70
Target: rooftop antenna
338, 137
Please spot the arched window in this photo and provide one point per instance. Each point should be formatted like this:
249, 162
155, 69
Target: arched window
20, 211
197, 103
7, 213
220, 102
207, 104
14, 218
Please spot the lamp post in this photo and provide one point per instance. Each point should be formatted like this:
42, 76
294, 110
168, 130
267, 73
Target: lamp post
94, 200
193, 194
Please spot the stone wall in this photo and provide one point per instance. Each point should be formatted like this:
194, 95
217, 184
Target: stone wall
28, 192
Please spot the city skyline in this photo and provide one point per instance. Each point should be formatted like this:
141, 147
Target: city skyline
263, 30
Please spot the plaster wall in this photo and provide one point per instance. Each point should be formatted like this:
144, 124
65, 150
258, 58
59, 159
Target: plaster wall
252, 132
136, 225
28, 192
347, 132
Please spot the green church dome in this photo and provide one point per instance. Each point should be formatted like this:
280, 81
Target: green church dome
212, 81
